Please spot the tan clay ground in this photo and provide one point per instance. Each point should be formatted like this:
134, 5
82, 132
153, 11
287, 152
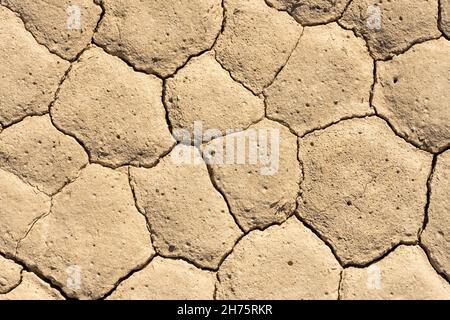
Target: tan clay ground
97, 200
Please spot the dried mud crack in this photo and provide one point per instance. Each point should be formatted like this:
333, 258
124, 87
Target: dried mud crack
224, 149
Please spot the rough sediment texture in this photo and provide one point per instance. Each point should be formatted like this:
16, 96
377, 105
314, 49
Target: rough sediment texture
364, 189
327, 78
165, 279
115, 112
312, 158
93, 229
41, 155
169, 32
29, 73
20, 205
256, 42
391, 27
436, 236
404, 274
204, 92
192, 223
259, 192
444, 24
10, 275
283, 262
32, 288
311, 12
413, 93
65, 27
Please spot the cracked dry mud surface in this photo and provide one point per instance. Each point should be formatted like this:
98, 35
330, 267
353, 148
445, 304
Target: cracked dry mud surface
224, 149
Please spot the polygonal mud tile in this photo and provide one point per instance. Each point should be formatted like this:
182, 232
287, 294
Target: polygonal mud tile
436, 237
159, 36
32, 288
41, 155
93, 236
256, 42
413, 92
10, 276
282, 262
167, 279
26, 65
20, 205
391, 27
311, 12
445, 17
258, 172
204, 92
187, 216
405, 274
115, 112
65, 27
328, 77
364, 188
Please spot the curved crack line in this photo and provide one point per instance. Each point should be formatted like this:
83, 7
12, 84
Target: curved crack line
232, 77
286, 62
440, 21
139, 209
385, 119
152, 232
239, 239
221, 192
33, 223
342, 119
428, 197
293, 6
123, 57
35, 270
395, 131
136, 269
341, 281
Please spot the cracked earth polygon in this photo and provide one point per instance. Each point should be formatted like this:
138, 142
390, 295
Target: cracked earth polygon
224, 149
